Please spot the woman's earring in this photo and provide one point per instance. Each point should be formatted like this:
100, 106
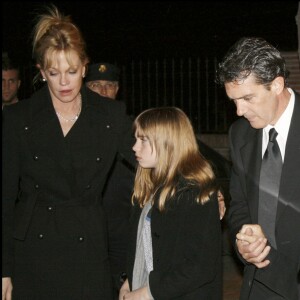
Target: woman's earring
44, 79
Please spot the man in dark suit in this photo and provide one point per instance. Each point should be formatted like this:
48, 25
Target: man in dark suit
254, 75
103, 78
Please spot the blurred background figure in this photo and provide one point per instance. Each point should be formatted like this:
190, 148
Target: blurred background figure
10, 80
103, 78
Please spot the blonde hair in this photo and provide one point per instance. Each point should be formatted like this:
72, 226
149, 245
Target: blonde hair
171, 134
55, 32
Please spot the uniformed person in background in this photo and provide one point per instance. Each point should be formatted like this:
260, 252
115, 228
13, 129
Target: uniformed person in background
103, 78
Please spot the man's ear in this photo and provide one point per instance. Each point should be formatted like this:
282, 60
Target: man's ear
278, 85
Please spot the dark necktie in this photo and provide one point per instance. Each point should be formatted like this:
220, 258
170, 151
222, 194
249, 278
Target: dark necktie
270, 174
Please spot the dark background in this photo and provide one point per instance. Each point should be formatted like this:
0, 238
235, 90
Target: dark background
121, 31
124, 32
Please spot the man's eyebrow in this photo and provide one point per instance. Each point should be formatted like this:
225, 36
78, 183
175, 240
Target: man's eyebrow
242, 97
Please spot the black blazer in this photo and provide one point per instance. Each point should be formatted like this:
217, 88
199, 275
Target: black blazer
246, 152
54, 236
186, 242
117, 206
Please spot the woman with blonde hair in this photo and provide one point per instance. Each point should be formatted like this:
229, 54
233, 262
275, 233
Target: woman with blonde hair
58, 147
175, 245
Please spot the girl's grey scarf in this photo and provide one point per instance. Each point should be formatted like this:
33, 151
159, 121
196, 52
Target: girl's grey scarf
143, 263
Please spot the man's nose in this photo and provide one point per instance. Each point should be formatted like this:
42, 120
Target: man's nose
240, 107
103, 89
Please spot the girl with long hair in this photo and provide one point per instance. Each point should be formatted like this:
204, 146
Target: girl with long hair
175, 243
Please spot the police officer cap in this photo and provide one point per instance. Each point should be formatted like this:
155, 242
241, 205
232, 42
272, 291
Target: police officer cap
103, 71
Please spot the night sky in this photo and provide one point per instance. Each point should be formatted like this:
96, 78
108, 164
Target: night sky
122, 31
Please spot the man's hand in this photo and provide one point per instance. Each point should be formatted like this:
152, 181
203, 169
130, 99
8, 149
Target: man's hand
252, 245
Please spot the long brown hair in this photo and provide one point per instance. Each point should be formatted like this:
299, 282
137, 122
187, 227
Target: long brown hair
171, 134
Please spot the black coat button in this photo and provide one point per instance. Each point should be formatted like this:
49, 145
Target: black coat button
37, 186
35, 157
40, 236
88, 187
98, 159
81, 239
50, 208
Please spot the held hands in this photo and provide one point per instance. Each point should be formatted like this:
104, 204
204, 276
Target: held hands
252, 245
6, 288
139, 294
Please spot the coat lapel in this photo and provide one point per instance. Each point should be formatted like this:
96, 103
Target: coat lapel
251, 158
289, 184
44, 127
93, 139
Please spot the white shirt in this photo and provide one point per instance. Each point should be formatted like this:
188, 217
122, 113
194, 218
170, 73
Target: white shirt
282, 127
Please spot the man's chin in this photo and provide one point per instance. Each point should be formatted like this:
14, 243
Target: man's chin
256, 125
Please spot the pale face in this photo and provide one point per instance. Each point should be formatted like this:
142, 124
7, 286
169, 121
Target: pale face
104, 88
64, 80
10, 86
254, 102
145, 155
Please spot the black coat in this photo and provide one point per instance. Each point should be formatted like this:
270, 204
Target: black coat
54, 235
117, 205
186, 243
246, 152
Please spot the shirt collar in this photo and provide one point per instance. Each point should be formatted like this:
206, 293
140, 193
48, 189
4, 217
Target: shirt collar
283, 124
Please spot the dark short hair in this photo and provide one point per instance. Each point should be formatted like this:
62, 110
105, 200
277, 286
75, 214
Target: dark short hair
255, 56
8, 63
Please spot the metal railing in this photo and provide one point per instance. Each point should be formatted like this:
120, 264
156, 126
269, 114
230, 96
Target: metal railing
186, 83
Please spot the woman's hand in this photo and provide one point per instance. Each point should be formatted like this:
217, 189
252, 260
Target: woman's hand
139, 294
124, 290
222, 206
6, 288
